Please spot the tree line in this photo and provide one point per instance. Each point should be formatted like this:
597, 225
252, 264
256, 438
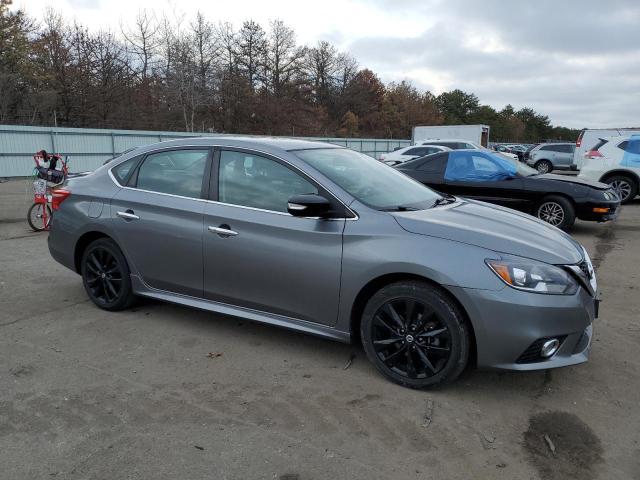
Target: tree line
190, 74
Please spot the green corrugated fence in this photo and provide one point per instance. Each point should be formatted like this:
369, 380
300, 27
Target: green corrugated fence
88, 147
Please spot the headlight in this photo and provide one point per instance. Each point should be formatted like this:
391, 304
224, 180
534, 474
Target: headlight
534, 277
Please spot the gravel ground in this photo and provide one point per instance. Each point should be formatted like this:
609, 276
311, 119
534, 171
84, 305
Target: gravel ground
165, 392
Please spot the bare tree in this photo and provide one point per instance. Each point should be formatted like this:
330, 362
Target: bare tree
284, 57
144, 39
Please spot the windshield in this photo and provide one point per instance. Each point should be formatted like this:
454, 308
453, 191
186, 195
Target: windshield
370, 181
522, 169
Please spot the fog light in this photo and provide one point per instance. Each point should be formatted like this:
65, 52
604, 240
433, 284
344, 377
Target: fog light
549, 348
600, 210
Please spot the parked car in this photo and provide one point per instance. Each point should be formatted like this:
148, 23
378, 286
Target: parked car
408, 153
589, 137
547, 157
518, 150
527, 152
324, 240
486, 176
616, 161
458, 144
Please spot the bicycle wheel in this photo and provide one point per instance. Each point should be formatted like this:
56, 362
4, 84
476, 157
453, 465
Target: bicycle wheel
35, 217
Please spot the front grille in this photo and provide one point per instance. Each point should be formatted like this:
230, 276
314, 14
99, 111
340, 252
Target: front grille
532, 353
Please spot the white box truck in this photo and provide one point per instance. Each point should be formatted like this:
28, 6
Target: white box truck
478, 134
590, 136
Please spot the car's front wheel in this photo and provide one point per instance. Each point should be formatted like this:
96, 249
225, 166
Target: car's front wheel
415, 335
557, 211
544, 166
625, 187
105, 275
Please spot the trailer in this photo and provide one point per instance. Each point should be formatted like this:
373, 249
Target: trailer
478, 134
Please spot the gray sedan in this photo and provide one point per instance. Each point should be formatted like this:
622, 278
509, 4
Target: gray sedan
327, 241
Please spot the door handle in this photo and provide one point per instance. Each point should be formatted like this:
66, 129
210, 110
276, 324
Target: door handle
128, 215
223, 231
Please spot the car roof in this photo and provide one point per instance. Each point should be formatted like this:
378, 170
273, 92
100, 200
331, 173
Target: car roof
435, 140
555, 143
268, 144
619, 138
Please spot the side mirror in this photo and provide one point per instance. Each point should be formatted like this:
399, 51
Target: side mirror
308, 205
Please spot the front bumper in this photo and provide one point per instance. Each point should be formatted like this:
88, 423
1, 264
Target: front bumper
591, 210
507, 322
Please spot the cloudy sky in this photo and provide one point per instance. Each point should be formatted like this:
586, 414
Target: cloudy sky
577, 61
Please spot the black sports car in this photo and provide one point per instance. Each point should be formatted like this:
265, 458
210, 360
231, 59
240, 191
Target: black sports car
491, 177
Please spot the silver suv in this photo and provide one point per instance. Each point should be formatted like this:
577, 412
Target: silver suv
327, 241
552, 156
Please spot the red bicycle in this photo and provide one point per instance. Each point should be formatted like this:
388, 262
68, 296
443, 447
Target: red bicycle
47, 194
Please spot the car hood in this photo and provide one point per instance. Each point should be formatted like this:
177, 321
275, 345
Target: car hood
570, 179
495, 228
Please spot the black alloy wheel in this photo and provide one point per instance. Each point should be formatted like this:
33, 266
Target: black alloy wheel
410, 339
105, 275
415, 335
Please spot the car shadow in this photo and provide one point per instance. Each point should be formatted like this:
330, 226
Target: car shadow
301, 349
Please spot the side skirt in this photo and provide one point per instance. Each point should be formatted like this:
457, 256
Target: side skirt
142, 289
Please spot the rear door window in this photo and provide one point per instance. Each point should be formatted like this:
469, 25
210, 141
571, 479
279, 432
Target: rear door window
176, 172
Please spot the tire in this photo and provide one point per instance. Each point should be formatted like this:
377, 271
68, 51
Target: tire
439, 333
106, 275
557, 211
544, 166
625, 186
34, 217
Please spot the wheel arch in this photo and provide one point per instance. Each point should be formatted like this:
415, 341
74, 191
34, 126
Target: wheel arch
83, 242
546, 195
368, 290
622, 172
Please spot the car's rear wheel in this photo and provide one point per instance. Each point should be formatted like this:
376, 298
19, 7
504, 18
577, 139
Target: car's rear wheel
625, 187
557, 211
105, 275
544, 166
415, 335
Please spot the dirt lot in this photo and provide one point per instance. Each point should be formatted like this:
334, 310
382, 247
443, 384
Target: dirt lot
137, 394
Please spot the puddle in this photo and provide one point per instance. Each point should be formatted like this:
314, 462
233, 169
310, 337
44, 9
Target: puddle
577, 449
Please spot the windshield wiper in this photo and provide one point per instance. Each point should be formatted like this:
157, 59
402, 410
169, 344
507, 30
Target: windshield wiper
400, 208
444, 200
